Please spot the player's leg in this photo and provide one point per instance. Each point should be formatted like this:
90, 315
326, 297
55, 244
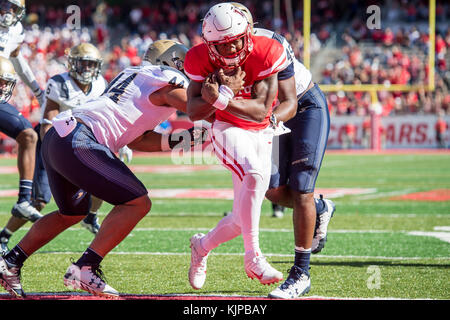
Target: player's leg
252, 152
310, 128
90, 222
14, 125
41, 189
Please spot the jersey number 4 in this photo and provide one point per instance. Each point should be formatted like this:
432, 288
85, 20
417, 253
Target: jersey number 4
115, 91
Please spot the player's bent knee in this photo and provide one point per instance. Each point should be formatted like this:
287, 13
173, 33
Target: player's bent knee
27, 136
302, 199
143, 204
254, 181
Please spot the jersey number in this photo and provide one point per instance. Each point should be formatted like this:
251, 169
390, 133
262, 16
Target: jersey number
114, 92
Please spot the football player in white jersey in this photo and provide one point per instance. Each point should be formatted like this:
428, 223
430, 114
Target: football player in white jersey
64, 91
70, 90
297, 158
12, 121
79, 155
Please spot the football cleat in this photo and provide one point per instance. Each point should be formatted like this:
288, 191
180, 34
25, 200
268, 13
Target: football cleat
91, 224
4, 246
10, 279
25, 210
296, 285
197, 270
322, 221
277, 211
89, 278
256, 266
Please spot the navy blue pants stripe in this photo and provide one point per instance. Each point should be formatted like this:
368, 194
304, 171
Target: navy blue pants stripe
297, 156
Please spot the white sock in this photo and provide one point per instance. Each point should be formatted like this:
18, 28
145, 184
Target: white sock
249, 210
225, 230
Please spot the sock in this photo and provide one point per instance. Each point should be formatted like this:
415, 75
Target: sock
225, 230
302, 257
16, 257
5, 235
249, 210
89, 257
25, 187
90, 217
320, 205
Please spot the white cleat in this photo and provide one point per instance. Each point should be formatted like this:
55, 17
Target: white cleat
296, 285
256, 266
89, 278
10, 279
197, 270
322, 221
25, 210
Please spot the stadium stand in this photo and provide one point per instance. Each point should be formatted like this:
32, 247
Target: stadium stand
345, 51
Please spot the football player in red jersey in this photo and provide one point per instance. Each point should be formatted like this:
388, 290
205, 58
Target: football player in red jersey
243, 128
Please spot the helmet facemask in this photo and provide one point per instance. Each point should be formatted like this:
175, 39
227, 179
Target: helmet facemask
7, 84
225, 23
84, 70
11, 12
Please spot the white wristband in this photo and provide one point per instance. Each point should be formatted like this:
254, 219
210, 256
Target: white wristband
222, 102
226, 91
165, 142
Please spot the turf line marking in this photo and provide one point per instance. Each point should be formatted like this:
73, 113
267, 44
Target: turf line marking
279, 255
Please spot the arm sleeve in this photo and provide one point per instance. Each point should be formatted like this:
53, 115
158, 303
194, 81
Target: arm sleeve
26, 75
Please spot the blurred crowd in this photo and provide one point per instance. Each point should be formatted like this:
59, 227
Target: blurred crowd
123, 32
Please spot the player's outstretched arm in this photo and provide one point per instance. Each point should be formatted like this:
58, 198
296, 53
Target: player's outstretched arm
26, 75
170, 96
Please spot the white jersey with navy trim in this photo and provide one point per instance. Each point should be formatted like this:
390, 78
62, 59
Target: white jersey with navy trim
10, 39
124, 112
302, 75
63, 90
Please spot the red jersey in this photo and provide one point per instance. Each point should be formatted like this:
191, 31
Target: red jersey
267, 58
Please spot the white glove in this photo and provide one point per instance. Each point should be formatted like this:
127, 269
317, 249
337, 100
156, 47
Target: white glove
125, 152
281, 129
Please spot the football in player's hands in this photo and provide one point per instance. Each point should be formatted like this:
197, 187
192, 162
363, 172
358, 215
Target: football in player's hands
232, 78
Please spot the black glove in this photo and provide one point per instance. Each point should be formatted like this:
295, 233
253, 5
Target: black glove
189, 138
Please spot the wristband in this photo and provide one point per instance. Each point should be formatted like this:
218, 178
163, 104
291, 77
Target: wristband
225, 90
222, 102
46, 121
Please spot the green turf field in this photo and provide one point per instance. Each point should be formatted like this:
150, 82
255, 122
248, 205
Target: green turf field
377, 246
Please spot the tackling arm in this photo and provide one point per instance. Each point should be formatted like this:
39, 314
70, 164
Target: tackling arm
288, 100
197, 107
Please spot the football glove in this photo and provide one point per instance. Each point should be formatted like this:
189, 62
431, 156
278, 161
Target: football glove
127, 153
189, 138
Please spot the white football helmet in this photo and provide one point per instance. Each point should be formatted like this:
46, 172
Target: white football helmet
11, 12
225, 23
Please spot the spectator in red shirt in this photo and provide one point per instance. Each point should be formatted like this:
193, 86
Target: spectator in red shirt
441, 129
